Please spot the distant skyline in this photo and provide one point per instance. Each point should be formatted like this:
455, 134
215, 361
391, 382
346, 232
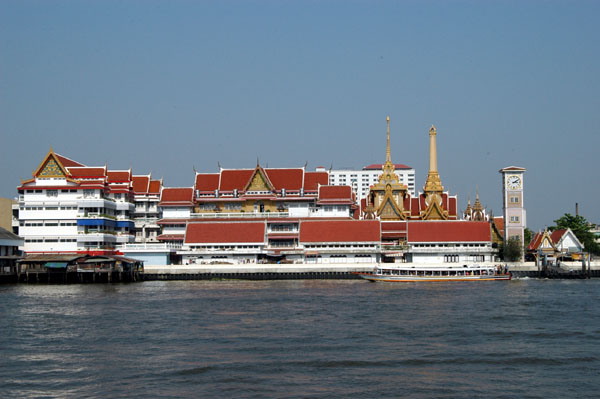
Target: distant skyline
169, 86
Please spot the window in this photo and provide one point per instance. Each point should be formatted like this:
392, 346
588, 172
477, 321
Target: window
52, 193
514, 200
514, 219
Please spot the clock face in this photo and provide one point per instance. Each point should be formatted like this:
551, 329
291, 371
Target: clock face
513, 182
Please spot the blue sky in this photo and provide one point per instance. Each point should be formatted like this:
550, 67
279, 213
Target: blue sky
166, 86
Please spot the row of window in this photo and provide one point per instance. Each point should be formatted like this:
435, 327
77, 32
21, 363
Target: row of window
50, 240
448, 245
51, 193
46, 223
455, 258
340, 246
48, 208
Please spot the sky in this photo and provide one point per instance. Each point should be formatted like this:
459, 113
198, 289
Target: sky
164, 87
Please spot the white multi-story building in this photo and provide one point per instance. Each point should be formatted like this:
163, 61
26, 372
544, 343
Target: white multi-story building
69, 207
361, 180
147, 212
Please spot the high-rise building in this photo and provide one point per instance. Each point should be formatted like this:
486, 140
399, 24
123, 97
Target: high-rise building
361, 180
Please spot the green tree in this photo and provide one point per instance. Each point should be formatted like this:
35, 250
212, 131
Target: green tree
528, 236
581, 228
513, 250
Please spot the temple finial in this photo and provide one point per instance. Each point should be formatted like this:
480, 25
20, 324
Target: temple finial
388, 156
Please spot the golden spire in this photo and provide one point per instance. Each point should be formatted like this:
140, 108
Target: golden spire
432, 149
433, 185
388, 155
388, 175
477, 205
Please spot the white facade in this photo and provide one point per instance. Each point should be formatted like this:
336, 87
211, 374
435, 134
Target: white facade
73, 219
451, 253
362, 180
147, 214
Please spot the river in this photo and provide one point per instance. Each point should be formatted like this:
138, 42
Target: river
525, 338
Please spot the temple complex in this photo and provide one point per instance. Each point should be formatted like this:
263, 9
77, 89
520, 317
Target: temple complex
254, 215
390, 200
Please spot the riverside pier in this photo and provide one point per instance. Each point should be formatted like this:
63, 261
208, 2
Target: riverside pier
107, 271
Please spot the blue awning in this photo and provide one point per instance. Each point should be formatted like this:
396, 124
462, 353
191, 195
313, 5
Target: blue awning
56, 265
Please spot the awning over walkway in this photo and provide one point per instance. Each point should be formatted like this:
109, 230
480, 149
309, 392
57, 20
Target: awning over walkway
56, 265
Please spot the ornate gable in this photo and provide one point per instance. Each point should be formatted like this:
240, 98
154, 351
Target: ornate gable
51, 167
259, 181
389, 210
434, 211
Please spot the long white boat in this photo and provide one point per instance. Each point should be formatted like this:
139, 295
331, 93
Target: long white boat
410, 273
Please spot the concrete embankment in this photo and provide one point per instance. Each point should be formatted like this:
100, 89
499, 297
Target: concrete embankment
334, 271
565, 270
256, 271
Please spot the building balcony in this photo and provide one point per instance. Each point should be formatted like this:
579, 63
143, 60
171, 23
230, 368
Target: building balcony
348, 250
450, 250
148, 246
125, 206
239, 215
125, 238
94, 215
403, 248
220, 251
96, 237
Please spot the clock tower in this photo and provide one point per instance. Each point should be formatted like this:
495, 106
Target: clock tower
512, 204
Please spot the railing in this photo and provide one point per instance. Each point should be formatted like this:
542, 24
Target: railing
148, 245
394, 248
239, 215
449, 250
97, 216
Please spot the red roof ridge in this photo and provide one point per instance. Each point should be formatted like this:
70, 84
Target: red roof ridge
69, 160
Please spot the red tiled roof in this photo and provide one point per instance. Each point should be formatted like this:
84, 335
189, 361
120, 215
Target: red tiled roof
140, 184
452, 208
535, 241
66, 162
220, 232
235, 178
448, 231
290, 179
414, 206
86, 172
393, 226
499, 221
118, 176
407, 202
155, 186
177, 195
557, 235
170, 237
379, 166
335, 194
340, 231
313, 179
207, 181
